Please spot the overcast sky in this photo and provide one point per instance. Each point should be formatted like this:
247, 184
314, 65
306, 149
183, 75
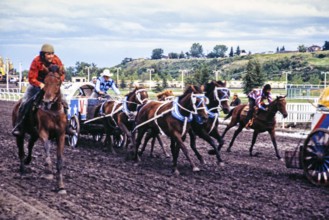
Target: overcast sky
104, 32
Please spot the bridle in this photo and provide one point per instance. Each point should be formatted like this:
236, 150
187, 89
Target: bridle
48, 104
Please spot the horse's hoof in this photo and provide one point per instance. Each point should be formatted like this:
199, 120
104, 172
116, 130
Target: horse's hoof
196, 169
228, 150
48, 176
175, 172
167, 155
281, 159
62, 192
211, 152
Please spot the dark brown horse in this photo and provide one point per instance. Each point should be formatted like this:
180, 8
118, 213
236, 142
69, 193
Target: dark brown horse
166, 95
218, 96
263, 121
173, 119
119, 116
46, 121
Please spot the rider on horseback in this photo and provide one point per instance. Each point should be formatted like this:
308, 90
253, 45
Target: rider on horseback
37, 73
103, 84
256, 98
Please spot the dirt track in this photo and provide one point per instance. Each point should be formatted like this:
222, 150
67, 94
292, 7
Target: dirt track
105, 186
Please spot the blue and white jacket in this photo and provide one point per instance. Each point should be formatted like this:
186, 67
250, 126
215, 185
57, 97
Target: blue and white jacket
104, 86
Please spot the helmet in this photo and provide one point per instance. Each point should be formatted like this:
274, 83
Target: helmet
267, 87
107, 73
47, 48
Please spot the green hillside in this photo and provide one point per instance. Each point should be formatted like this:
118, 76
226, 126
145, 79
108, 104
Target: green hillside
304, 65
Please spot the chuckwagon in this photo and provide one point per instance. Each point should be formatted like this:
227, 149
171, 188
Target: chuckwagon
313, 155
81, 109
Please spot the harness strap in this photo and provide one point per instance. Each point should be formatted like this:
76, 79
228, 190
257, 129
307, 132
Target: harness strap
105, 116
213, 123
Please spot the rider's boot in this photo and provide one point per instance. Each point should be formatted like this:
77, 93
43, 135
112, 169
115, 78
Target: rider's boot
18, 130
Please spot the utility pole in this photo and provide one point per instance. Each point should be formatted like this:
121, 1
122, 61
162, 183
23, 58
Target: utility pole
118, 69
150, 71
287, 72
7, 72
183, 72
216, 73
88, 71
325, 78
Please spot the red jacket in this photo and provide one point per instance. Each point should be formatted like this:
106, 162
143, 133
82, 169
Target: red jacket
38, 71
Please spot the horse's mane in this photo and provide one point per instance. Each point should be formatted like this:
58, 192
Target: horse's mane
209, 87
190, 89
135, 89
165, 93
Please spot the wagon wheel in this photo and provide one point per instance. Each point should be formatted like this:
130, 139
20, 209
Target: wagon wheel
315, 157
74, 125
97, 137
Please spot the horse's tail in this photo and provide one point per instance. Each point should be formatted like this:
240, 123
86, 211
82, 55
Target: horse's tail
229, 114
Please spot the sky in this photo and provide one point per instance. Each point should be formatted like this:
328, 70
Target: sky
104, 32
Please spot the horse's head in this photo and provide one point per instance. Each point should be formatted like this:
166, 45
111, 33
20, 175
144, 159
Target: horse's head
52, 88
194, 101
218, 95
165, 95
279, 104
138, 96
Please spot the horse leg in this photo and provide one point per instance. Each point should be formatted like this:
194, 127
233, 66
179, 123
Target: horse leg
161, 144
21, 153
32, 140
182, 146
48, 164
193, 146
139, 138
147, 138
59, 164
234, 136
216, 149
272, 134
228, 127
254, 137
108, 142
174, 153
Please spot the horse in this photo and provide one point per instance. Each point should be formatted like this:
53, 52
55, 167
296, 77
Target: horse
218, 96
172, 119
46, 121
163, 96
263, 121
119, 117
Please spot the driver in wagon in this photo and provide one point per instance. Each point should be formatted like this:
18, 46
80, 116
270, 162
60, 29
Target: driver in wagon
37, 73
103, 84
256, 98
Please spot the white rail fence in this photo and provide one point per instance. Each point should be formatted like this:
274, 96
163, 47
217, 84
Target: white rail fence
297, 112
12, 94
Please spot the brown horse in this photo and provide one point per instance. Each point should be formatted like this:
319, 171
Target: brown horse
263, 121
218, 96
119, 117
173, 119
166, 95
46, 121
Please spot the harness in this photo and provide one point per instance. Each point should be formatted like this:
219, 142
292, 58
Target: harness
132, 114
175, 112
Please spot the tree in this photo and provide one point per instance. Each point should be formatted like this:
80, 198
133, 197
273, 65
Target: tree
201, 76
181, 55
220, 50
326, 45
238, 52
254, 77
123, 83
157, 54
302, 48
196, 50
282, 49
173, 55
277, 50
231, 54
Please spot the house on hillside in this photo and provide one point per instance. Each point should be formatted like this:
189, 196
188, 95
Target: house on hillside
313, 48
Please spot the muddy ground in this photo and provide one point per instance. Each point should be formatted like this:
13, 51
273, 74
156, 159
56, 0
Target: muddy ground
105, 186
